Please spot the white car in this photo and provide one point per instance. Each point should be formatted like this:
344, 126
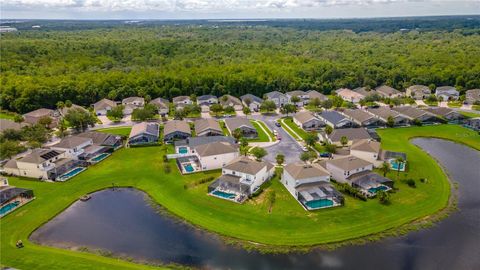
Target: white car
275, 132
304, 149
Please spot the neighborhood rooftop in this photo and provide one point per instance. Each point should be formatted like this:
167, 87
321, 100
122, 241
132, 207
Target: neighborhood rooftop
71, 142
176, 125
144, 127
349, 163
301, 170
246, 165
215, 148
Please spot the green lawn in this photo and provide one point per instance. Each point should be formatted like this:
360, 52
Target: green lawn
469, 114
262, 136
431, 103
269, 132
122, 131
224, 128
476, 107
7, 115
454, 104
288, 121
287, 224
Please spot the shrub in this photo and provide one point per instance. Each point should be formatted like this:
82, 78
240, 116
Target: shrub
347, 189
165, 159
410, 182
198, 182
383, 197
167, 168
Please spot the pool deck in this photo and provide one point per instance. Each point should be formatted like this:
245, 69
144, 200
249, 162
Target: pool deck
227, 199
22, 203
67, 178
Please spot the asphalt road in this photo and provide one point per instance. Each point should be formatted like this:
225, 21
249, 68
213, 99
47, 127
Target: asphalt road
287, 146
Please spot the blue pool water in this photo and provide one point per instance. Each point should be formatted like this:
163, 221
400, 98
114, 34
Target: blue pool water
100, 157
71, 173
182, 150
319, 203
374, 190
8, 207
394, 165
223, 194
188, 168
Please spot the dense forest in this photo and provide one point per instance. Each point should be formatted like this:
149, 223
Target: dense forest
41, 67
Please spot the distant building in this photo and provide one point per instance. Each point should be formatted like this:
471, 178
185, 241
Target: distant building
349, 95
182, 100
362, 118
65, 110
132, 103
252, 101
472, 96
313, 94
278, 98
415, 114
388, 92
72, 146
446, 93
176, 130
207, 100
208, 127
446, 113
303, 96
383, 113
335, 119
162, 105
307, 121
248, 130
9, 124
103, 106
34, 116
418, 92
352, 134
229, 100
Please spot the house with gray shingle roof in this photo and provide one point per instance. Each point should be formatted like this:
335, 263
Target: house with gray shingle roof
34, 116
302, 95
367, 149
72, 146
447, 113
251, 101
207, 127
182, 100
229, 100
349, 95
132, 103
243, 124
362, 118
335, 119
277, 97
343, 168
307, 121
241, 177
111, 141
472, 96
418, 92
162, 104
352, 134
383, 113
312, 94
144, 133
103, 106
364, 91
310, 185
207, 100
176, 130
388, 92
9, 124
414, 114
446, 93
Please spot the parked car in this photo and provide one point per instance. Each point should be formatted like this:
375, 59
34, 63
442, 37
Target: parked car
279, 137
325, 154
304, 149
275, 132
277, 124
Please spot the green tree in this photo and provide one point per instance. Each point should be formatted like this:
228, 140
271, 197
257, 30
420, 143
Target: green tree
244, 146
344, 141
385, 168
258, 153
246, 110
315, 102
62, 128
45, 121
307, 156
68, 103
330, 148
280, 158
268, 106
390, 121
328, 130
399, 161
17, 118
8, 149
311, 139
116, 113
383, 197
60, 105
237, 134
295, 99
229, 110
216, 109
288, 108
80, 119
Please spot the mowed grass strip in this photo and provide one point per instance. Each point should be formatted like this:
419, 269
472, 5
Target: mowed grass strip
121, 131
142, 168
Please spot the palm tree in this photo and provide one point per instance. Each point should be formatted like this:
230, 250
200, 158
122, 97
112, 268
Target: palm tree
344, 141
399, 161
385, 168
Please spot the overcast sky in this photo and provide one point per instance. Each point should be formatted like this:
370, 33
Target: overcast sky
230, 9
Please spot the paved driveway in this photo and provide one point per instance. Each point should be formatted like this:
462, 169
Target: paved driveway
287, 146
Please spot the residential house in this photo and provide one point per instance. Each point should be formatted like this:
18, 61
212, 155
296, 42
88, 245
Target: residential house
277, 97
472, 96
248, 130
349, 95
210, 155
42, 164
187, 146
72, 146
9, 124
241, 178
362, 118
207, 127
418, 92
310, 185
446, 93
163, 105
367, 149
343, 168
252, 101
110, 141
144, 133
182, 101
383, 113
207, 100
369, 183
307, 121
415, 114
335, 119
302, 95
391, 158
12, 198
229, 100
473, 123
176, 130
132, 103
352, 134
364, 91
312, 94
64, 111
34, 116
388, 92
446, 113
103, 106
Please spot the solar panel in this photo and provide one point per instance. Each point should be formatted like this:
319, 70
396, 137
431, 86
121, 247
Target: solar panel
49, 154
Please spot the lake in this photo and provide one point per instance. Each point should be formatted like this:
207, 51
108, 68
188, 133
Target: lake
123, 222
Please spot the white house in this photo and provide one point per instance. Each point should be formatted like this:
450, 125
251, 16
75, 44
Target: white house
215, 155
307, 121
103, 106
72, 146
446, 93
185, 100
368, 150
252, 101
207, 100
349, 95
310, 185
303, 96
132, 103
343, 168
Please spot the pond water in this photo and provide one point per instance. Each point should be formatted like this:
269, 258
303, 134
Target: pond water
123, 222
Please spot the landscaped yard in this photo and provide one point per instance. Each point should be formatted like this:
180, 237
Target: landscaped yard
454, 104
287, 224
288, 122
7, 115
122, 131
262, 135
469, 114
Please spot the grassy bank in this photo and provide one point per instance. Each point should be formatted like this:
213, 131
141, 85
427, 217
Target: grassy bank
287, 224
122, 131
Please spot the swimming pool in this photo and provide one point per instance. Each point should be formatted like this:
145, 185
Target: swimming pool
8, 207
319, 203
394, 165
188, 168
100, 157
375, 190
182, 150
71, 174
224, 195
